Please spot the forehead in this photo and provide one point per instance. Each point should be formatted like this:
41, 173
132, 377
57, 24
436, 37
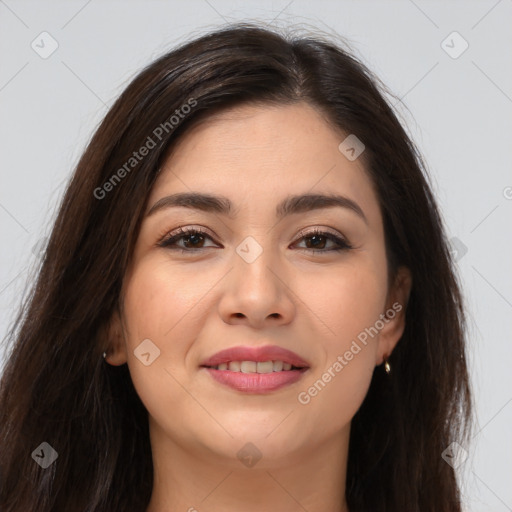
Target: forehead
260, 154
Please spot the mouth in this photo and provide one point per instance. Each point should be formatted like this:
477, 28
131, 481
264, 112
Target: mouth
256, 369
261, 367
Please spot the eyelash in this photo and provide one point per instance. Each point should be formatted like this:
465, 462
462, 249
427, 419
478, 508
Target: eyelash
169, 240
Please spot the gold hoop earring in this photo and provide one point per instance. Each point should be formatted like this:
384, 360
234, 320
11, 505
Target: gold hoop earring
387, 366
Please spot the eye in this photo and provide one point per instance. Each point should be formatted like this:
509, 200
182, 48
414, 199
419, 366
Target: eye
193, 239
318, 240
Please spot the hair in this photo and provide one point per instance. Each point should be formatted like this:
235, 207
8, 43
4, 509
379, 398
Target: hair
56, 386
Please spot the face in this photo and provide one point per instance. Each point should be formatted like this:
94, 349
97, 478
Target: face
310, 278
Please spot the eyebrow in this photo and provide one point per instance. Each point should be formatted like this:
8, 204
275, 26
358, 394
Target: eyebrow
290, 205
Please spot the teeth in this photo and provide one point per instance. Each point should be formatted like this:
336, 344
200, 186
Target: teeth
254, 367
278, 366
265, 367
248, 366
234, 366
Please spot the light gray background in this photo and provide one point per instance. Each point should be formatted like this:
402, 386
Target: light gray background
459, 115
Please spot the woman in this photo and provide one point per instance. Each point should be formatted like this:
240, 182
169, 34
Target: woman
247, 301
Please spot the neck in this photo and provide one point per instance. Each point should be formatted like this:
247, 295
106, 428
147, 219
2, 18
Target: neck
194, 478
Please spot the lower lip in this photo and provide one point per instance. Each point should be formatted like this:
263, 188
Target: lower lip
256, 382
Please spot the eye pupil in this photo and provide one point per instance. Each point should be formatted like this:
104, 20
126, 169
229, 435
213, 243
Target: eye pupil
193, 236
316, 237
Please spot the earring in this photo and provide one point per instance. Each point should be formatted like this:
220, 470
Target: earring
387, 366
105, 356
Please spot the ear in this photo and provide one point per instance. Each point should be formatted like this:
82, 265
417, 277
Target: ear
394, 315
116, 351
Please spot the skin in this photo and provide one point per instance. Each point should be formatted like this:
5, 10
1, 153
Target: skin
193, 305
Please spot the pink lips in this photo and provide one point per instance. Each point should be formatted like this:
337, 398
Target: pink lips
259, 383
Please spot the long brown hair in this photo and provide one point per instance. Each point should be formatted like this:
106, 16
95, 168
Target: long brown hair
56, 387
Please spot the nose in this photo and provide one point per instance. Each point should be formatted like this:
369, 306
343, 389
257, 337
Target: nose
257, 293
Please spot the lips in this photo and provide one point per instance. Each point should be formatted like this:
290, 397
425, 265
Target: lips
257, 354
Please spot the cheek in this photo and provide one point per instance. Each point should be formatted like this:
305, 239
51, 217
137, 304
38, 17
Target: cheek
162, 306
160, 301
344, 301
348, 303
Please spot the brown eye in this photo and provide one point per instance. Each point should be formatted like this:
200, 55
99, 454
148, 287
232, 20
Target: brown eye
192, 239
318, 240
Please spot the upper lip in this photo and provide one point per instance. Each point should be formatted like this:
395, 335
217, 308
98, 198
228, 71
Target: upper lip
258, 354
